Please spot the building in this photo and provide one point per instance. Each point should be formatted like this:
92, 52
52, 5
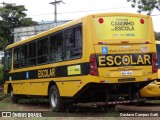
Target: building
22, 33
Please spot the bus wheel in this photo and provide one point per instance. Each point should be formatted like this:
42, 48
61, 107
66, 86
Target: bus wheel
56, 102
14, 98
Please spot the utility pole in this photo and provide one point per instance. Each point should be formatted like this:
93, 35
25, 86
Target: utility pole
55, 6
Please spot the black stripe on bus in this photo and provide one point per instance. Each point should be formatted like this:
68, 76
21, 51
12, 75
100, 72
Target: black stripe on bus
120, 60
60, 71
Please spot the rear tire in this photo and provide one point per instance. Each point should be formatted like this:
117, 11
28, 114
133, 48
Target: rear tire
14, 98
56, 102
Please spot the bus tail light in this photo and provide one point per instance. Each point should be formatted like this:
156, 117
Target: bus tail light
154, 63
142, 21
100, 20
93, 65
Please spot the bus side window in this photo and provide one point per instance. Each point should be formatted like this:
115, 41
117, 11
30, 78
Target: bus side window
78, 42
8, 60
32, 53
73, 40
60, 44
16, 57
42, 49
53, 48
53, 44
69, 37
24, 56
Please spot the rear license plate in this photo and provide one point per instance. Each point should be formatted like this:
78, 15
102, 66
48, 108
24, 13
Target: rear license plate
126, 73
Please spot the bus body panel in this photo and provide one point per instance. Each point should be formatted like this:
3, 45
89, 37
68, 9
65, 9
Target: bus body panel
138, 62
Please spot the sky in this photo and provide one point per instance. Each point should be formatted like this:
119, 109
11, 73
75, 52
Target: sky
41, 10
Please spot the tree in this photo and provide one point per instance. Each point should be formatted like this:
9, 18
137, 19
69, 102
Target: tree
12, 16
145, 5
157, 35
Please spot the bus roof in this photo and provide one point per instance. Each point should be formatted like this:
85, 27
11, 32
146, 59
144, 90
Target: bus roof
120, 14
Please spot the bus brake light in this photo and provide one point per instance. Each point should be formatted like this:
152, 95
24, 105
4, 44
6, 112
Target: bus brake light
93, 65
154, 63
100, 20
142, 21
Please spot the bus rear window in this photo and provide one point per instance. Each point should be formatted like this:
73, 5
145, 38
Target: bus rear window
121, 27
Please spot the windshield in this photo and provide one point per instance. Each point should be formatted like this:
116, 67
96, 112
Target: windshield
121, 27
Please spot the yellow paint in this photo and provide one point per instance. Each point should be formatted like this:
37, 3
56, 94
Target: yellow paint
121, 27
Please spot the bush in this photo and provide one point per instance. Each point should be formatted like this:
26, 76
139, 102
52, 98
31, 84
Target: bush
1, 74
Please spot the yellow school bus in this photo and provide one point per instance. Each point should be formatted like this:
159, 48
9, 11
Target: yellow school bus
102, 58
152, 90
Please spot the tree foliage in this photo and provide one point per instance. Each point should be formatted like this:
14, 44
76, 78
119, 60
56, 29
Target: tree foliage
12, 16
145, 5
157, 35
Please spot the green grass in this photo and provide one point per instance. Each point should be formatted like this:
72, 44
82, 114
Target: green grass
153, 101
2, 95
3, 104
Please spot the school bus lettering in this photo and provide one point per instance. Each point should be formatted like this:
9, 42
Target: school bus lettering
147, 59
110, 60
132, 62
46, 73
123, 60
140, 60
124, 28
123, 25
116, 61
101, 59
